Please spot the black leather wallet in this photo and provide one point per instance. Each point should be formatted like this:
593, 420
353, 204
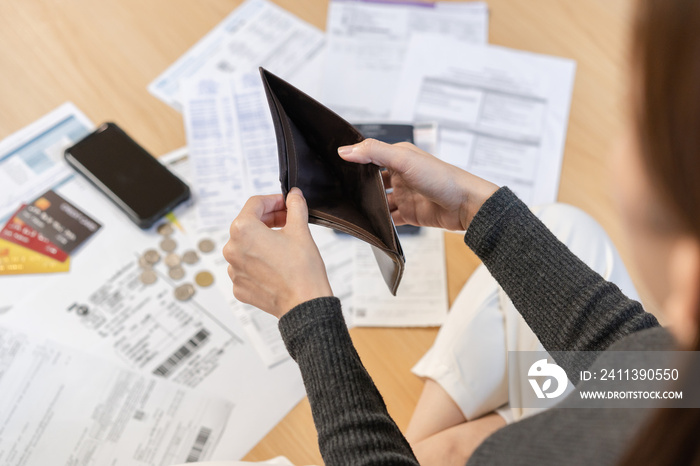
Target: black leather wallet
345, 196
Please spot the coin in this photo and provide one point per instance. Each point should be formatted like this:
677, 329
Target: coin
168, 244
148, 277
206, 245
151, 256
144, 264
165, 229
190, 257
184, 292
172, 260
176, 273
204, 279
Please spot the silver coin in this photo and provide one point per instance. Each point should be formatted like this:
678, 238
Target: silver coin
176, 273
144, 264
190, 257
168, 244
148, 277
184, 292
206, 245
165, 229
151, 256
172, 260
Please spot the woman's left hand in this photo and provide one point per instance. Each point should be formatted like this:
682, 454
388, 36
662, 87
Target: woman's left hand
275, 270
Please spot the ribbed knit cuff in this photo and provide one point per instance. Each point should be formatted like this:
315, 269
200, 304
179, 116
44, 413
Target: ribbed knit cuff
307, 318
482, 233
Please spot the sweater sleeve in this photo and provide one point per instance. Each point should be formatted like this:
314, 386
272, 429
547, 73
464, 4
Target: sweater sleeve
567, 305
353, 424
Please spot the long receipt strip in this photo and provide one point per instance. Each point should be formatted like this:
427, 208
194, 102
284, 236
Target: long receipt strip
102, 307
61, 406
368, 41
502, 113
232, 146
258, 33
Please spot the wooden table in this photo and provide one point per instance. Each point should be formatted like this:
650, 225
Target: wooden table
102, 54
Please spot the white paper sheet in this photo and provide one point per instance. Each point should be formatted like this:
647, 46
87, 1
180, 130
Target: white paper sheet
421, 300
258, 33
231, 143
502, 113
32, 159
61, 406
217, 162
367, 43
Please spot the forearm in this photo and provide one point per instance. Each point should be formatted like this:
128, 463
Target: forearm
568, 305
353, 424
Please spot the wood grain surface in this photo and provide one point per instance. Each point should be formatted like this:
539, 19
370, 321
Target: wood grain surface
102, 54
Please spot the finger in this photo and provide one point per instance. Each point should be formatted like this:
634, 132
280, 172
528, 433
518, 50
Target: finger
297, 210
398, 218
378, 153
386, 178
258, 206
276, 219
391, 201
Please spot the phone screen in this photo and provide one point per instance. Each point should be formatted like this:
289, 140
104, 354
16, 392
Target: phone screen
127, 173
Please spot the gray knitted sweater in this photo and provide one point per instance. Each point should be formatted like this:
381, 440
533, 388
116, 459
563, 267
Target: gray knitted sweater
567, 305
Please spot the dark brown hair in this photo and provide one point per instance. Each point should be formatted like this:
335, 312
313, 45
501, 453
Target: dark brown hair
666, 68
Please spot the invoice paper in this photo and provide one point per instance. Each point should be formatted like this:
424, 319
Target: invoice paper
32, 158
502, 113
258, 33
62, 406
231, 143
367, 43
421, 300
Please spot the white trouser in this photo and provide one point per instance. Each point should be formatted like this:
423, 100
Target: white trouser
468, 358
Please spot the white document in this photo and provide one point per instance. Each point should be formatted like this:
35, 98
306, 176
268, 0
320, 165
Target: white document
31, 160
367, 43
61, 406
231, 143
217, 162
502, 113
421, 300
258, 33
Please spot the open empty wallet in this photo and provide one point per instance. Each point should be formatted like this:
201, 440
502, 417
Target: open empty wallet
348, 197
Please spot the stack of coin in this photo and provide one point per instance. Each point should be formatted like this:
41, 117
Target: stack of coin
147, 260
168, 245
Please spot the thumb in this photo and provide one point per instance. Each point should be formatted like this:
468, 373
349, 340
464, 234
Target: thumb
379, 153
297, 210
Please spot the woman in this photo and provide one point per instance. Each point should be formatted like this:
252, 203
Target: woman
567, 304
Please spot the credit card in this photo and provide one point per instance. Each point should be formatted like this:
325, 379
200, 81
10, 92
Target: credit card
15, 260
59, 221
18, 232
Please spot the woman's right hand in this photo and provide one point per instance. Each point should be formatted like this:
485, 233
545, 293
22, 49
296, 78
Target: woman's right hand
426, 190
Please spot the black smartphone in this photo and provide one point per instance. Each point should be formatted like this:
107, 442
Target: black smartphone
126, 173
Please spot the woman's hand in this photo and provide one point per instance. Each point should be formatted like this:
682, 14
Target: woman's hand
426, 190
275, 270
